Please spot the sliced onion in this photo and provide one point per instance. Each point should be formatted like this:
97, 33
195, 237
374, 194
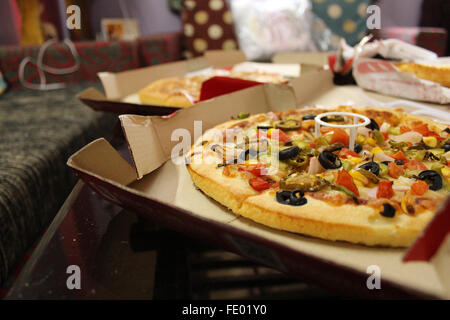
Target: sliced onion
315, 166
372, 193
405, 181
447, 155
381, 156
363, 131
385, 126
366, 154
401, 188
410, 136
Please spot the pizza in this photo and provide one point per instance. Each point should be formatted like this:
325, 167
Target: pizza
185, 91
435, 73
276, 169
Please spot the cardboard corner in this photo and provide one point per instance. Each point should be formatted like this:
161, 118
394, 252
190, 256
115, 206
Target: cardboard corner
91, 158
91, 93
223, 59
143, 142
312, 85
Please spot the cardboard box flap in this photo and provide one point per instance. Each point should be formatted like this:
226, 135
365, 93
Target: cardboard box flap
92, 157
121, 84
223, 59
312, 85
144, 143
91, 94
151, 139
310, 58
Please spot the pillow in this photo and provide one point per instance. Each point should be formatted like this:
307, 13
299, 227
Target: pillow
207, 25
345, 18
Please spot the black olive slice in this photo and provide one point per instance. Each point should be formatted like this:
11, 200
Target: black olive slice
372, 167
373, 125
432, 178
290, 198
289, 153
446, 147
386, 162
447, 130
389, 211
329, 160
308, 117
264, 127
357, 148
297, 198
288, 143
399, 162
283, 197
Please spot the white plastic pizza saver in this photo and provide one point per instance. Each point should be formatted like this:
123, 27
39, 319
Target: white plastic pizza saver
353, 127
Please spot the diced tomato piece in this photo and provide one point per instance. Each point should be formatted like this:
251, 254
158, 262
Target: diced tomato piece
395, 170
385, 189
312, 145
324, 130
344, 153
339, 135
385, 135
258, 169
345, 179
419, 187
426, 132
404, 129
423, 129
283, 137
259, 184
415, 165
400, 156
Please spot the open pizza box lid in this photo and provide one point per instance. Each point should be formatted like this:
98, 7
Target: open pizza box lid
309, 61
160, 189
121, 88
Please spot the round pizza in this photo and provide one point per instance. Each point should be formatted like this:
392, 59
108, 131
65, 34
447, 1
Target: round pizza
377, 181
185, 91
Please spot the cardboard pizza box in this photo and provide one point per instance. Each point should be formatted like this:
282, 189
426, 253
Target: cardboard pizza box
309, 61
120, 89
156, 184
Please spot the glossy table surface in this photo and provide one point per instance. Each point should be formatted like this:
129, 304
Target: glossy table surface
122, 256
92, 234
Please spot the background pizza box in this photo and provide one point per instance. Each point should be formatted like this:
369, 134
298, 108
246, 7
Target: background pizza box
161, 190
121, 88
309, 61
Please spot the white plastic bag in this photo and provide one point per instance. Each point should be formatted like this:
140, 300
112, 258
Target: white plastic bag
384, 77
264, 27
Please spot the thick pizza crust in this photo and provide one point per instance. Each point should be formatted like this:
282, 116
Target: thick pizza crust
172, 91
349, 222
435, 73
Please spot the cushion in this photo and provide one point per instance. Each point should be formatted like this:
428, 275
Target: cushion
208, 25
346, 19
